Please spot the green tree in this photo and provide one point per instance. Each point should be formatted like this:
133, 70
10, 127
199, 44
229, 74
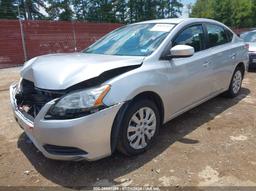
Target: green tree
101, 11
7, 10
168, 8
67, 13
60, 10
161, 6
81, 9
254, 12
203, 9
150, 9
120, 10
139, 10
125, 11
242, 13
234, 13
174, 8
30, 9
222, 11
131, 8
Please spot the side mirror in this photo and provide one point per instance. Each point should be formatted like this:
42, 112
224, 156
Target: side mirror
182, 51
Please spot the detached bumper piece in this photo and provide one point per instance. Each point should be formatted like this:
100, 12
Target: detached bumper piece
61, 150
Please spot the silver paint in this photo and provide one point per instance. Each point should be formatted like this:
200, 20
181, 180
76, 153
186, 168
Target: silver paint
181, 83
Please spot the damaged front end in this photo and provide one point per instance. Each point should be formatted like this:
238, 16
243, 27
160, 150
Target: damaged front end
30, 99
31, 106
67, 104
76, 101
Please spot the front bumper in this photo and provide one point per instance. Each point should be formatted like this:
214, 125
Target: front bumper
252, 60
91, 133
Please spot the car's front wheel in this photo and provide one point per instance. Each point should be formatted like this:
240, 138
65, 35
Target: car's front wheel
140, 126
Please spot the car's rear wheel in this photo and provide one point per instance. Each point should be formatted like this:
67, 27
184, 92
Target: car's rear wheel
140, 126
236, 83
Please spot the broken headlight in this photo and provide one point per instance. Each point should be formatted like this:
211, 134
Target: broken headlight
78, 104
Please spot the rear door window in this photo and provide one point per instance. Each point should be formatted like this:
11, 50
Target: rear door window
230, 35
216, 35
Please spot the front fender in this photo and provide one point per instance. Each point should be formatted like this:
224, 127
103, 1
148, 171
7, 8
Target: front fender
126, 86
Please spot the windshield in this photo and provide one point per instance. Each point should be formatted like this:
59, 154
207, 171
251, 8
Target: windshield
132, 40
249, 36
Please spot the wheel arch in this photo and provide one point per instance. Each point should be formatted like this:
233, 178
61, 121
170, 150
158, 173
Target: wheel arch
155, 98
242, 66
118, 119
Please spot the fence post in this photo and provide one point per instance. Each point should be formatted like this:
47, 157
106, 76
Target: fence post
22, 37
74, 35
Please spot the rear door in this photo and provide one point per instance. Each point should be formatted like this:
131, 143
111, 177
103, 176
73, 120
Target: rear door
223, 54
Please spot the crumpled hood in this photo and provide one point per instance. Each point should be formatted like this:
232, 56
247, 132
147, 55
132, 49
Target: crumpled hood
60, 71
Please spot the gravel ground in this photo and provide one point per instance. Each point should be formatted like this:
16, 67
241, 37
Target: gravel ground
211, 145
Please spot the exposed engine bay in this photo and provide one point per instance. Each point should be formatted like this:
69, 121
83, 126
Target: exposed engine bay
30, 99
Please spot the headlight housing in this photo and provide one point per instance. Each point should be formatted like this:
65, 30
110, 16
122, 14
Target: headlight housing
78, 104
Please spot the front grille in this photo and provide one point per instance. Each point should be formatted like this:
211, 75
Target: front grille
32, 98
62, 150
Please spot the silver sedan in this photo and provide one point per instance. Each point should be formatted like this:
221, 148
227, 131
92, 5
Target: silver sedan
250, 40
117, 93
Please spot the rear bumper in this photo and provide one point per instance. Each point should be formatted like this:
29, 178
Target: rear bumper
91, 134
252, 60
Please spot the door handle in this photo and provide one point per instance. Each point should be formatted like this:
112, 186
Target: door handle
206, 64
233, 56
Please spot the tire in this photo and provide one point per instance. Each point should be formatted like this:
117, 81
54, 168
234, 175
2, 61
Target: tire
235, 84
133, 128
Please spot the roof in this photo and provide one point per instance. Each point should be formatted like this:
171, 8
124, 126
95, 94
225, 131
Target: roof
177, 20
173, 21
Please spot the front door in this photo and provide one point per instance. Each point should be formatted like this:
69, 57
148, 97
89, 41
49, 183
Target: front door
189, 78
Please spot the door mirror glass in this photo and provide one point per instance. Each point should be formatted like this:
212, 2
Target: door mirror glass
182, 51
